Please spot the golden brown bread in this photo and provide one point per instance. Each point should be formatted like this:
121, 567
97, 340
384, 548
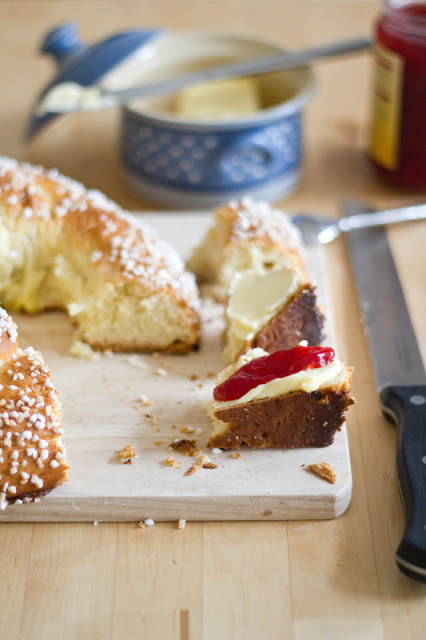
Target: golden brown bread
62, 246
246, 235
250, 246
32, 455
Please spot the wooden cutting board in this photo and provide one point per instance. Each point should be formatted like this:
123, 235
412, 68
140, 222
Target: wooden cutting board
102, 413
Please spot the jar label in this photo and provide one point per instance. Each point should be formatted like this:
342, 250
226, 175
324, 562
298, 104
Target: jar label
387, 93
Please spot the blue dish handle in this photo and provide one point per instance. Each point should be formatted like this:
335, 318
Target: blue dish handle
63, 42
269, 157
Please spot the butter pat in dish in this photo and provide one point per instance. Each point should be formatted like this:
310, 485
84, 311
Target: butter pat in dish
219, 100
303, 409
221, 140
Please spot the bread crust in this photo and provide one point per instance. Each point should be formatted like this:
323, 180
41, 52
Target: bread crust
290, 421
299, 319
176, 348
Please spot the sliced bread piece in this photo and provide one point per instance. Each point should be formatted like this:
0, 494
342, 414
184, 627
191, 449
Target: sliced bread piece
246, 236
304, 409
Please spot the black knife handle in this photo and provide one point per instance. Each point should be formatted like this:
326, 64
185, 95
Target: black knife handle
406, 405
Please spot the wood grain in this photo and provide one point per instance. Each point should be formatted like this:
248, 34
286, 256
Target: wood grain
246, 585
15, 546
356, 572
140, 607
62, 561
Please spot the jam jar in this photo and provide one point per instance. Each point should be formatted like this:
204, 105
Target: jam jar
398, 127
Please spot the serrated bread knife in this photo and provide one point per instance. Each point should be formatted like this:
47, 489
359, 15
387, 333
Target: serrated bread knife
400, 377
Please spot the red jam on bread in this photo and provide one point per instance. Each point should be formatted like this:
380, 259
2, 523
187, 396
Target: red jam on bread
277, 365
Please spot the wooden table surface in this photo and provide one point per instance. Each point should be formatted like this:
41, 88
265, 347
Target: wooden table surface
253, 580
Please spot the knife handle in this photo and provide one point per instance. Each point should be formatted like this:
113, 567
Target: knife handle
406, 405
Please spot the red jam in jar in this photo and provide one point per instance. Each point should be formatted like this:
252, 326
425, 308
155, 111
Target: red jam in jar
398, 128
279, 364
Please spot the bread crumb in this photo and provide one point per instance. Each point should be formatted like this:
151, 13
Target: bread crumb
181, 524
83, 350
195, 467
323, 470
267, 512
162, 372
95, 523
135, 361
156, 429
187, 430
170, 461
126, 454
198, 431
216, 450
203, 462
144, 400
193, 376
211, 374
235, 456
340, 564
186, 447
148, 522
158, 443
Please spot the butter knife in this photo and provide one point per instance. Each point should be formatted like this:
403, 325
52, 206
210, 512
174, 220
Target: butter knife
68, 97
400, 377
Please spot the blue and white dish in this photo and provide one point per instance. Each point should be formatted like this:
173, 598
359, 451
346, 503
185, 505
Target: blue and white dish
189, 167
178, 163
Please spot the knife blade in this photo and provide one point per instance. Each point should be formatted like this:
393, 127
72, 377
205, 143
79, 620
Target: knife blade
399, 374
